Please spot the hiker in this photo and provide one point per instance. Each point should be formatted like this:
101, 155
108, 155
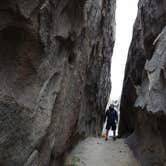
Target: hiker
112, 119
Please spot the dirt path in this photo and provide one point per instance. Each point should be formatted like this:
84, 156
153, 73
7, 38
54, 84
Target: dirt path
98, 152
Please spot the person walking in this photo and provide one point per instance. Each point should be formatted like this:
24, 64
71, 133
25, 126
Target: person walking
112, 119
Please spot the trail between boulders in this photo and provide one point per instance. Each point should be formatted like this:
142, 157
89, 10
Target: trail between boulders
98, 152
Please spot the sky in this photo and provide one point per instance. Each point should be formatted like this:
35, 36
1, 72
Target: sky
125, 17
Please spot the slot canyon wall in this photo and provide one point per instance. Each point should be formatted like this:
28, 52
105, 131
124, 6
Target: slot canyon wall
54, 76
143, 105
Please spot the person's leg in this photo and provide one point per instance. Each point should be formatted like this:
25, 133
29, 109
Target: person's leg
114, 134
114, 131
107, 130
106, 137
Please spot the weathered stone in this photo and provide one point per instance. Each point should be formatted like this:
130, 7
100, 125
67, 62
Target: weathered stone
33, 159
143, 105
54, 76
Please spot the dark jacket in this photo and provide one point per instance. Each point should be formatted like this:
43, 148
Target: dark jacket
111, 115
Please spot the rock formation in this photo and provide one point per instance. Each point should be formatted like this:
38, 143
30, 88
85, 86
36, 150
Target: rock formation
143, 106
54, 76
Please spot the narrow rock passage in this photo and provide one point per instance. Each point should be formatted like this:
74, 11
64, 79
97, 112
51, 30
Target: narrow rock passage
98, 152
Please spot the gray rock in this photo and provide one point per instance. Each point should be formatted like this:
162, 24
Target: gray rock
143, 103
54, 76
33, 159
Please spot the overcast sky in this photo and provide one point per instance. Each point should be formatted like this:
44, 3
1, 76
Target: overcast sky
125, 16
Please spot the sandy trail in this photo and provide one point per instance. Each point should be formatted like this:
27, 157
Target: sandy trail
98, 152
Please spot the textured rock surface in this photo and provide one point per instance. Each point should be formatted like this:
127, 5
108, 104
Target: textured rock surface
143, 105
54, 76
